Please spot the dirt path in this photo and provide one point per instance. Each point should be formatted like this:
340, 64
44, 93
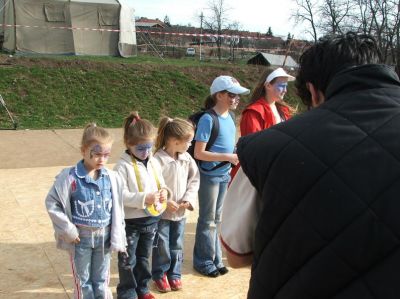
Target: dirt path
31, 267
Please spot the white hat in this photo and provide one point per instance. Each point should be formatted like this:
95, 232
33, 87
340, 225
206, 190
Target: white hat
279, 72
229, 84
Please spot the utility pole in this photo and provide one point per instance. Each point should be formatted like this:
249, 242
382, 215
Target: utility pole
201, 31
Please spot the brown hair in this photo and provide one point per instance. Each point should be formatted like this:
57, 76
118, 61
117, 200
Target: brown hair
172, 128
137, 130
259, 91
93, 133
210, 101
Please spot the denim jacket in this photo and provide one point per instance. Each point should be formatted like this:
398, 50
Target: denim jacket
58, 206
91, 200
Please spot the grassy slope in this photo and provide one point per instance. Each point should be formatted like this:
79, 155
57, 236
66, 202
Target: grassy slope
68, 92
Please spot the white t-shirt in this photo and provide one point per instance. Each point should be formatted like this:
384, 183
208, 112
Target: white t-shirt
277, 116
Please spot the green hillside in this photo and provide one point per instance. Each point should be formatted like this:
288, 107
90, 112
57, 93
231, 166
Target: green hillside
68, 92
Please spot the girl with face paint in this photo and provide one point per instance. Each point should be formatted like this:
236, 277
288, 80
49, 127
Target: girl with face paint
145, 198
266, 107
85, 206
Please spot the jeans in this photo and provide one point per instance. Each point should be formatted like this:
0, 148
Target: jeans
134, 277
91, 264
207, 254
168, 249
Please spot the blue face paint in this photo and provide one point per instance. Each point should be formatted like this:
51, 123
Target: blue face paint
142, 151
144, 147
97, 151
281, 87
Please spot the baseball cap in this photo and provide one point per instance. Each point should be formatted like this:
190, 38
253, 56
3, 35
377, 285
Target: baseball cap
227, 83
279, 72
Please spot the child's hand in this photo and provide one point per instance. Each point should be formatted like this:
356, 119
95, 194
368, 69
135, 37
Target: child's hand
172, 206
186, 205
233, 159
163, 195
152, 198
76, 241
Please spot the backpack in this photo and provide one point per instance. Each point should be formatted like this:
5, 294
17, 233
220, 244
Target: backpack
194, 118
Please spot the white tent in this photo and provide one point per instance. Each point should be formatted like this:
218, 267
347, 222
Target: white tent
80, 27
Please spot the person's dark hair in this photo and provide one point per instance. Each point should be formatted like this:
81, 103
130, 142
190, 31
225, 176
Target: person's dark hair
331, 54
210, 101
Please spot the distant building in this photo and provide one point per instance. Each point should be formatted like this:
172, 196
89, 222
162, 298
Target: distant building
268, 59
150, 23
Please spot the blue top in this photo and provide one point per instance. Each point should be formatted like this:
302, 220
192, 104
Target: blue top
225, 142
91, 200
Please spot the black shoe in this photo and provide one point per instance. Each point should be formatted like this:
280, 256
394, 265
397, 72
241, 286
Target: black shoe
214, 274
223, 270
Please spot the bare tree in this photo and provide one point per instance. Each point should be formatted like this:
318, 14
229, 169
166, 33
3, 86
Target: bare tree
217, 20
307, 12
335, 16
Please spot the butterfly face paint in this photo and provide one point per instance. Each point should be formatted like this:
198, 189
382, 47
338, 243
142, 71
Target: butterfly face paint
141, 151
97, 151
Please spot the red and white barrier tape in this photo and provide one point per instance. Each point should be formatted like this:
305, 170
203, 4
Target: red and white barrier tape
137, 31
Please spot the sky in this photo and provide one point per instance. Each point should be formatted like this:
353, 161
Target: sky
253, 15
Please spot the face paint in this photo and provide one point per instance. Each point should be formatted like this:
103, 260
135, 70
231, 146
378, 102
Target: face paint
281, 87
142, 151
97, 151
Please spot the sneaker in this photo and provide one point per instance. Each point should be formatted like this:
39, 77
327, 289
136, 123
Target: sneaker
223, 270
146, 296
162, 285
213, 274
175, 284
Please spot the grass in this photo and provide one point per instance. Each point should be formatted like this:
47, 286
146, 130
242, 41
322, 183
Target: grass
69, 91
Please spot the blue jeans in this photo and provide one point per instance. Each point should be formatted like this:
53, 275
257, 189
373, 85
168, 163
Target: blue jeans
207, 254
91, 264
168, 249
134, 277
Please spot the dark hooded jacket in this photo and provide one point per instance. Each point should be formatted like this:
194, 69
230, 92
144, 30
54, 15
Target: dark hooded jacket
329, 180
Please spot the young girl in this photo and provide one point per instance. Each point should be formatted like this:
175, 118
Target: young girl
214, 175
182, 176
144, 200
85, 206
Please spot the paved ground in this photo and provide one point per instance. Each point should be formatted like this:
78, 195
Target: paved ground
30, 266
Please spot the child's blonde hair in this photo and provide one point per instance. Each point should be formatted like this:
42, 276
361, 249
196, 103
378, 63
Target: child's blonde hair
173, 128
137, 130
93, 133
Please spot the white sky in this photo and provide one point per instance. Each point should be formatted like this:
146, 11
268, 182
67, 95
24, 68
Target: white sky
253, 15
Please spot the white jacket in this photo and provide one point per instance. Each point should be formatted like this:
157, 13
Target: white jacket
58, 206
182, 177
134, 201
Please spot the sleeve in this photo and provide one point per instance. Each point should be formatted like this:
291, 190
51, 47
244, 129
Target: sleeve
193, 184
203, 129
131, 198
160, 176
241, 202
63, 226
250, 122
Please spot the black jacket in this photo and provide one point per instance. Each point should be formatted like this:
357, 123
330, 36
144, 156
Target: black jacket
329, 180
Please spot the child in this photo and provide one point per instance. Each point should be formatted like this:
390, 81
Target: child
214, 173
144, 200
85, 206
182, 176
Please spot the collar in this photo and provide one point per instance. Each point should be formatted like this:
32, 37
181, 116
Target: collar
81, 172
168, 159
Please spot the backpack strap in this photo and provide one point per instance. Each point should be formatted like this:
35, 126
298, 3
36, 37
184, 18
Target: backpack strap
214, 128
214, 135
